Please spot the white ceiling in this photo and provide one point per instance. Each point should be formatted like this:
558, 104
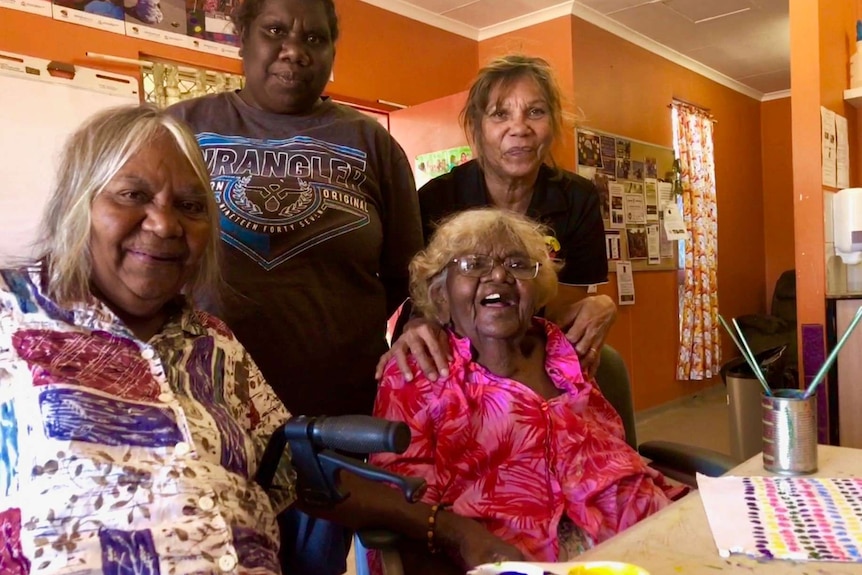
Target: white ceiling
744, 44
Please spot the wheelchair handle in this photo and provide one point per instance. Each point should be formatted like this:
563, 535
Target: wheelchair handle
355, 433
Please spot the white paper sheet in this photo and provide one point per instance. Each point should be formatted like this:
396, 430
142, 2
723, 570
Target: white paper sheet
828, 146
653, 246
625, 283
674, 226
842, 153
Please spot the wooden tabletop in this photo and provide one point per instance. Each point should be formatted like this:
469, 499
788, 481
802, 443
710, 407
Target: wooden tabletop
677, 540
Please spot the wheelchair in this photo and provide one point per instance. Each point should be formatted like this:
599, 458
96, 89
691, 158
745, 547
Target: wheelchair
318, 453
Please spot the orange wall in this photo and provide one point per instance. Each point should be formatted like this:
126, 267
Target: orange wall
626, 90
822, 37
777, 191
369, 64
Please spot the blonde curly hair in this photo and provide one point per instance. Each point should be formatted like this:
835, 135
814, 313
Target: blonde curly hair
478, 231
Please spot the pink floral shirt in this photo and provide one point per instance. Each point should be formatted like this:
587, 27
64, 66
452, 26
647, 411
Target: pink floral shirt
498, 452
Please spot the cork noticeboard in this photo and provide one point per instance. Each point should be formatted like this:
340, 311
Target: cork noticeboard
633, 180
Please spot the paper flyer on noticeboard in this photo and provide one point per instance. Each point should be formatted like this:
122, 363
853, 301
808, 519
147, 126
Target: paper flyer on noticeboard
828, 147
665, 194
653, 245
674, 224
625, 283
616, 191
636, 237
651, 195
635, 205
842, 153
612, 245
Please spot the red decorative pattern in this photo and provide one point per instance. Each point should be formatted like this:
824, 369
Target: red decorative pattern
12, 559
213, 323
96, 360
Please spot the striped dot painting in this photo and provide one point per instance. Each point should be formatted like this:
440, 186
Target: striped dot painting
799, 518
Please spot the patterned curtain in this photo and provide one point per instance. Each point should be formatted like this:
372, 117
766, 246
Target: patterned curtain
699, 355
166, 84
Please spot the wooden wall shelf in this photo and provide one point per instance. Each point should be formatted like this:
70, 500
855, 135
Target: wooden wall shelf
853, 97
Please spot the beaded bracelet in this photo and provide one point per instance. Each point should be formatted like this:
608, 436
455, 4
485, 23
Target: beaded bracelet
432, 528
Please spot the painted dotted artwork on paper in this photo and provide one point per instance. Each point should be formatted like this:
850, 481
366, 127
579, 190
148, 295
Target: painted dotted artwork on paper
799, 518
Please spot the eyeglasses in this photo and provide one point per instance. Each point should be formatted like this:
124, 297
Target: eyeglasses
478, 265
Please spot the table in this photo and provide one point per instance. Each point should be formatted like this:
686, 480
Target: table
677, 540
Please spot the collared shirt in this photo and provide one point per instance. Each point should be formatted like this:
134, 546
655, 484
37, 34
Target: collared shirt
498, 452
119, 455
565, 202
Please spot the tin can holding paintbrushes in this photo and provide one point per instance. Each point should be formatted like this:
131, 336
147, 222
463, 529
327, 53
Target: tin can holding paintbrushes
789, 432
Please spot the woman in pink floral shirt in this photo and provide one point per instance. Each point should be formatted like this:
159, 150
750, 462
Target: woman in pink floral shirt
515, 437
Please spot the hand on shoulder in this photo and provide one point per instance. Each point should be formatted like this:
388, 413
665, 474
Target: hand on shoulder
427, 342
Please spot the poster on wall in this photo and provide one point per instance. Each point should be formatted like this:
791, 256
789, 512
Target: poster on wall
589, 149
637, 242
429, 166
209, 22
38, 7
162, 21
202, 25
107, 15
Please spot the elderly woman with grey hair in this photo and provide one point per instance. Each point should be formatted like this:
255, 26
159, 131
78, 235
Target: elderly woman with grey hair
131, 424
516, 437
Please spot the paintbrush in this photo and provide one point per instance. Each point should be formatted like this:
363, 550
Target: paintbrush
746, 353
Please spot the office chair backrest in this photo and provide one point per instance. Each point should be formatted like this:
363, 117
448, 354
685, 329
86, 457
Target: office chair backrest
613, 380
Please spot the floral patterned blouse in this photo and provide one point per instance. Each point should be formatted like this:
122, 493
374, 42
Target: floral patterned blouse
498, 452
121, 456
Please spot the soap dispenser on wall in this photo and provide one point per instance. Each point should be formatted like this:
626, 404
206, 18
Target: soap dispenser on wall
847, 225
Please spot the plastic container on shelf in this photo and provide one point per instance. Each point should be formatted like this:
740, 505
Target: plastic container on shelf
856, 59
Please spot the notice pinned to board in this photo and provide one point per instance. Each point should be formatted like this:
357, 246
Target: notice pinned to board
625, 283
828, 148
674, 225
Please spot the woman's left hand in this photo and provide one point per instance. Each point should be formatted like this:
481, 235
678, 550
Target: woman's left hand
474, 544
590, 318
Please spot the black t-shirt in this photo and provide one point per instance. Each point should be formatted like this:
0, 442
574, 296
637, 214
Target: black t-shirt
563, 201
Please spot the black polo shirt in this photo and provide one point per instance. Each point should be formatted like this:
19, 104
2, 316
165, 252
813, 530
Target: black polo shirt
563, 201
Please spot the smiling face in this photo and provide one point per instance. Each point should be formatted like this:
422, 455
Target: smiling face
494, 306
287, 55
517, 130
149, 230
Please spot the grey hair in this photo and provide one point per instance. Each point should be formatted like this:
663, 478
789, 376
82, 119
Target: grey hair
478, 229
91, 158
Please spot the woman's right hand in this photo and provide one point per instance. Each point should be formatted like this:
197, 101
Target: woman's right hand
427, 341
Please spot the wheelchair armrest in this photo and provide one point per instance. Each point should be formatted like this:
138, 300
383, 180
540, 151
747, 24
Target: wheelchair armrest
681, 462
378, 538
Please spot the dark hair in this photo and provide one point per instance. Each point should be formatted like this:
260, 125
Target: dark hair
503, 72
246, 11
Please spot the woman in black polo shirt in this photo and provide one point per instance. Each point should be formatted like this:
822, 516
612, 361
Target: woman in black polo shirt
512, 117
